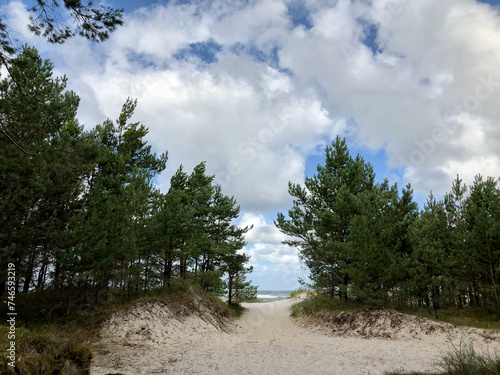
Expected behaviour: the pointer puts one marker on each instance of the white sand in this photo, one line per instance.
(264, 341)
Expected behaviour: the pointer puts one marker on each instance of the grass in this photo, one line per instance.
(237, 309)
(45, 350)
(60, 344)
(463, 360)
(319, 303)
(477, 317)
(298, 292)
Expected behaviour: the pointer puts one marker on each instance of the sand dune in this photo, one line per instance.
(150, 340)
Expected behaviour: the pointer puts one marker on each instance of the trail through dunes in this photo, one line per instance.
(267, 341)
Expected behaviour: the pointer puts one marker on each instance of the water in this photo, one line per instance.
(272, 295)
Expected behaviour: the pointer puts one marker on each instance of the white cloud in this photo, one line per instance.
(274, 267)
(429, 96)
(160, 31)
(18, 19)
(270, 258)
(281, 254)
(436, 56)
(262, 231)
(281, 276)
(245, 124)
(261, 23)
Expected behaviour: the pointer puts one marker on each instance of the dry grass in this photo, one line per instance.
(318, 303)
(45, 350)
(464, 360)
(60, 345)
(476, 317)
(300, 291)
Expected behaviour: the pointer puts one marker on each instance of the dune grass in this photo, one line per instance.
(46, 349)
(477, 317)
(463, 360)
(60, 342)
(298, 292)
(318, 303)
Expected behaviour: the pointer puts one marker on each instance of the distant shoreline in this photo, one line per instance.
(272, 295)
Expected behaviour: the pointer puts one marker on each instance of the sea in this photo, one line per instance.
(272, 295)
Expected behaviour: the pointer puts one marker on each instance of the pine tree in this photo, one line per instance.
(464, 267)
(198, 244)
(321, 216)
(173, 224)
(195, 231)
(482, 213)
(44, 154)
(46, 19)
(119, 189)
(380, 242)
(431, 268)
(234, 265)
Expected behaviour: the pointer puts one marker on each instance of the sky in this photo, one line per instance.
(257, 89)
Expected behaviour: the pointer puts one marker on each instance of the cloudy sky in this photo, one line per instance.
(258, 88)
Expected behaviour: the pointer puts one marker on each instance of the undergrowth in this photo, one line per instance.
(478, 317)
(237, 309)
(318, 303)
(45, 350)
(55, 339)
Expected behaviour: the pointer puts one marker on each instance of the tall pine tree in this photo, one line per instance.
(321, 216)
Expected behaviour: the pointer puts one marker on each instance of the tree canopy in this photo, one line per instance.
(58, 22)
(80, 216)
(366, 241)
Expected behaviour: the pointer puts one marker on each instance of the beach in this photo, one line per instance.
(265, 340)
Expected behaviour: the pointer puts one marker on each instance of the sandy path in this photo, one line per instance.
(266, 341)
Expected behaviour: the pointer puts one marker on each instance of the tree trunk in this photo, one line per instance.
(167, 269)
(345, 281)
(57, 273)
(146, 274)
(182, 268)
(29, 272)
(492, 276)
(230, 287)
(41, 275)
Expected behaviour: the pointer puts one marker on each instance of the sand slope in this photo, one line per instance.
(266, 340)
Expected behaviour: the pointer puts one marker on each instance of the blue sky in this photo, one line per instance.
(258, 88)
(494, 3)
